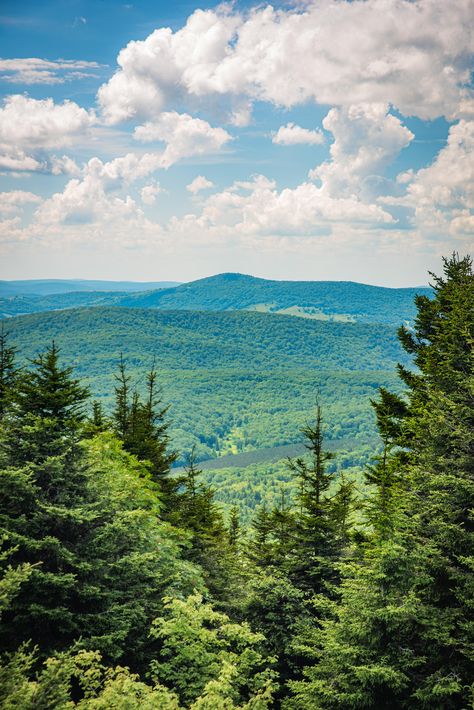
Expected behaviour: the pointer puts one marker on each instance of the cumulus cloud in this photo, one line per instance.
(18, 161)
(199, 183)
(64, 166)
(32, 70)
(256, 207)
(148, 193)
(97, 196)
(291, 134)
(28, 127)
(32, 123)
(184, 136)
(367, 138)
(441, 195)
(13, 201)
(415, 56)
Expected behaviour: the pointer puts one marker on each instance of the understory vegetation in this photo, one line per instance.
(349, 584)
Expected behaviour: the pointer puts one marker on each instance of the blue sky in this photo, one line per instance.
(303, 140)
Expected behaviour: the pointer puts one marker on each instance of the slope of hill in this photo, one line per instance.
(341, 301)
(236, 381)
(46, 287)
(324, 300)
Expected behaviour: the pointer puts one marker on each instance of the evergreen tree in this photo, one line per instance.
(234, 531)
(402, 636)
(8, 372)
(192, 507)
(142, 425)
(85, 518)
(316, 545)
(261, 545)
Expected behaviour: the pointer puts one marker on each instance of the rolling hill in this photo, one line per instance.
(338, 301)
(46, 287)
(237, 381)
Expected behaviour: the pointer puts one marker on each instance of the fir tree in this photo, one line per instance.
(142, 425)
(8, 372)
(316, 547)
(402, 636)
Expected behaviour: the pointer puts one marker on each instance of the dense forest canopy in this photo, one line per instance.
(124, 586)
(339, 301)
(236, 381)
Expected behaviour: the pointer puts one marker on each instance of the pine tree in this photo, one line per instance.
(42, 497)
(142, 425)
(234, 531)
(83, 516)
(402, 636)
(315, 541)
(386, 474)
(261, 545)
(8, 372)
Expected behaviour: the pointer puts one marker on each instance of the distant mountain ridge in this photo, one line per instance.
(47, 287)
(344, 301)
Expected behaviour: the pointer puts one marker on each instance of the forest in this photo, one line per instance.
(322, 300)
(236, 381)
(128, 582)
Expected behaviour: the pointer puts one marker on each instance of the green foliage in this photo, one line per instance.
(84, 519)
(325, 300)
(141, 425)
(201, 645)
(237, 381)
(8, 372)
(191, 506)
(350, 590)
(401, 635)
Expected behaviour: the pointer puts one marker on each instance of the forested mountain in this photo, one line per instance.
(46, 287)
(122, 584)
(236, 381)
(333, 300)
(339, 301)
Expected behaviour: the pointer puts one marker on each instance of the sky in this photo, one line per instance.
(315, 140)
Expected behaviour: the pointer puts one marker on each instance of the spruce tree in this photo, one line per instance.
(316, 548)
(402, 636)
(141, 424)
(8, 372)
(83, 516)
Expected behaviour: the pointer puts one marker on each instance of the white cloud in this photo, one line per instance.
(442, 195)
(13, 201)
(28, 127)
(98, 196)
(64, 166)
(257, 208)
(366, 139)
(184, 136)
(199, 183)
(292, 134)
(415, 56)
(32, 123)
(32, 70)
(148, 193)
(19, 161)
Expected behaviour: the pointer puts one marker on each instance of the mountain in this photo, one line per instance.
(237, 381)
(46, 287)
(341, 301)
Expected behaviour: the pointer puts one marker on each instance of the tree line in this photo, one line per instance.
(123, 585)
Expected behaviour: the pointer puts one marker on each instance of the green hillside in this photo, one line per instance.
(46, 287)
(323, 299)
(236, 381)
(338, 301)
